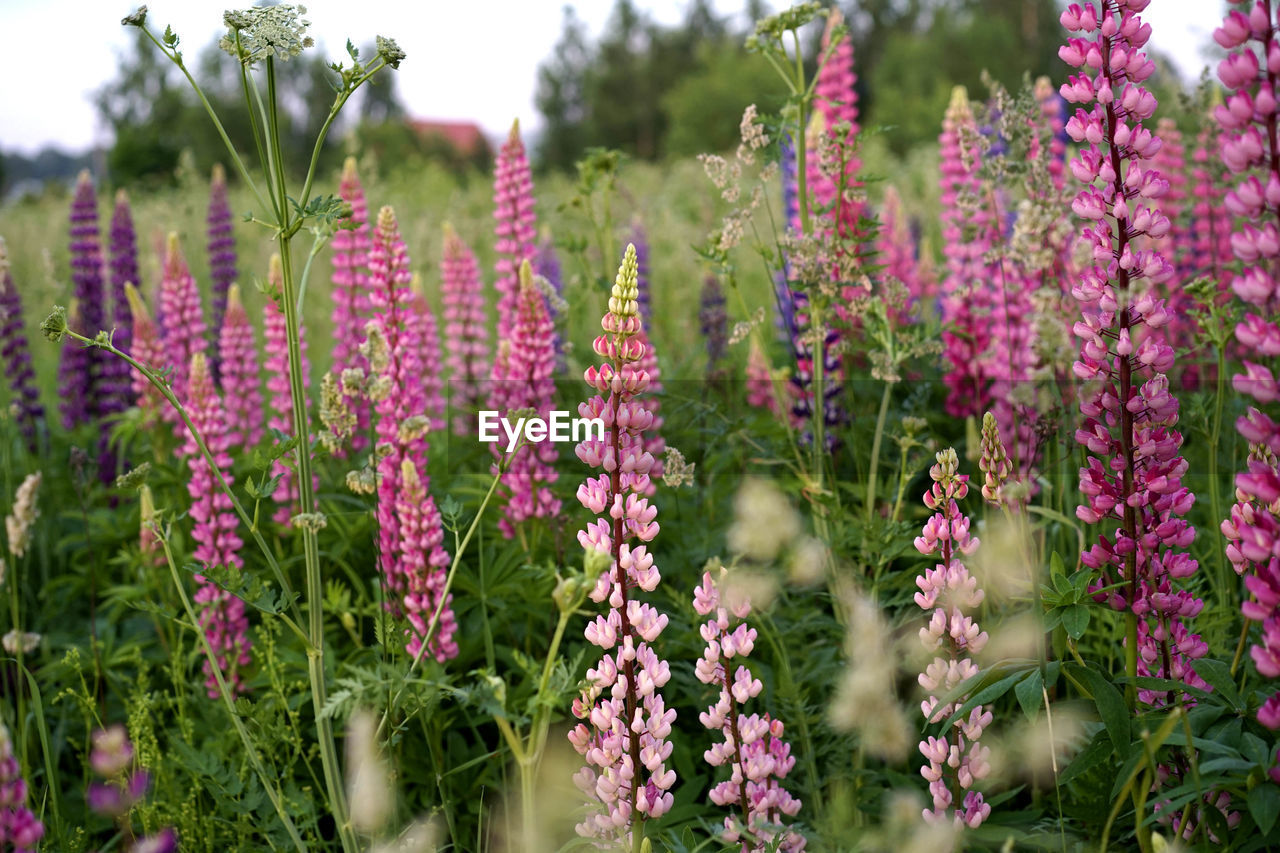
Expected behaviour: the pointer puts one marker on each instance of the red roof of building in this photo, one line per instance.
(465, 136)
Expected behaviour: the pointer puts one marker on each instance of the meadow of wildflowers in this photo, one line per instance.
(914, 521)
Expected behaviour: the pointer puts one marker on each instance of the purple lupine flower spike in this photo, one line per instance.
(640, 240)
(753, 748)
(73, 370)
(547, 266)
(713, 322)
(80, 373)
(222, 251)
(625, 727)
(16, 356)
(123, 254)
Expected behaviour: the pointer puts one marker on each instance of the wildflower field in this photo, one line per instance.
(920, 504)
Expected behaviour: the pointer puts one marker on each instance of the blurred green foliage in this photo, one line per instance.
(654, 91)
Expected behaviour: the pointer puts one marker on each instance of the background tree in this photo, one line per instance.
(154, 116)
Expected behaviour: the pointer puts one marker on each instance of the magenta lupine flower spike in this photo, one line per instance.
(280, 401)
(1211, 224)
(182, 333)
(123, 254)
(836, 101)
(968, 234)
(515, 225)
(426, 336)
(241, 382)
(528, 384)
(350, 301)
(148, 350)
(410, 553)
(652, 441)
(757, 756)
(80, 375)
(626, 724)
(465, 331)
(897, 252)
(120, 786)
(1051, 113)
(1250, 151)
(16, 355)
(760, 394)
(956, 761)
(425, 565)
(222, 251)
(217, 544)
(1134, 471)
(1176, 246)
(20, 831)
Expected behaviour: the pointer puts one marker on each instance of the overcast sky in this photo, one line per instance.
(466, 59)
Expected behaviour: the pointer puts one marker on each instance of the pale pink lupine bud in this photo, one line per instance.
(951, 766)
(624, 758)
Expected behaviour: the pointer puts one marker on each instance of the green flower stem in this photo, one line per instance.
(870, 508)
(208, 108)
(306, 493)
(256, 760)
(163, 387)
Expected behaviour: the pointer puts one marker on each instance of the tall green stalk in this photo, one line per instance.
(288, 216)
